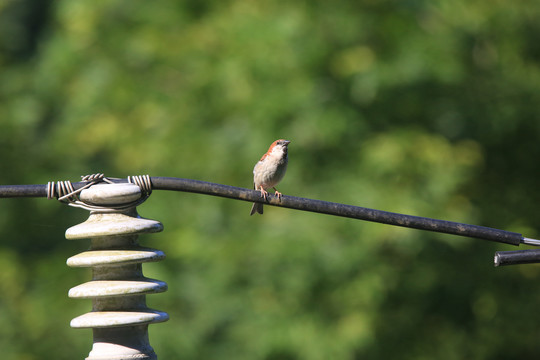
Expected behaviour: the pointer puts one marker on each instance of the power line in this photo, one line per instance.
(292, 202)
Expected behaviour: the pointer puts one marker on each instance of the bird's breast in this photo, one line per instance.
(269, 172)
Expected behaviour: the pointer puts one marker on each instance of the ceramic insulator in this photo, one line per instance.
(119, 316)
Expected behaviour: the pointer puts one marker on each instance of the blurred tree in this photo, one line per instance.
(421, 107)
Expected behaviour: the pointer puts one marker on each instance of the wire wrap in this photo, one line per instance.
(66, 193)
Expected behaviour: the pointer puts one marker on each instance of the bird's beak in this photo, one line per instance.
(287, 142)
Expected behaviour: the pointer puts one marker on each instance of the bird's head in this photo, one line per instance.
(279, 146)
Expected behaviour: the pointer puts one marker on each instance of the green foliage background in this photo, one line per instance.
(422, 107)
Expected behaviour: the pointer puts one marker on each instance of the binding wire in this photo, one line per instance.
(65, 193)
(142, 181)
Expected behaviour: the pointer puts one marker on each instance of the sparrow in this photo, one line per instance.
(269, 171)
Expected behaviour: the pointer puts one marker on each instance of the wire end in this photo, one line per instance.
(529, 241)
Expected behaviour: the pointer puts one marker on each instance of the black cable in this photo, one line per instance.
(330, 208)
(9, 191)
(292, 202)
(503, 258)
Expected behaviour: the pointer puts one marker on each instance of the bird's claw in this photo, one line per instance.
(264, 194)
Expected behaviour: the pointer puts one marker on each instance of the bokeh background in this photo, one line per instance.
(428, 108)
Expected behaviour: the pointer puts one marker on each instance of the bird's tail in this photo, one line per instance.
(257, 207)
